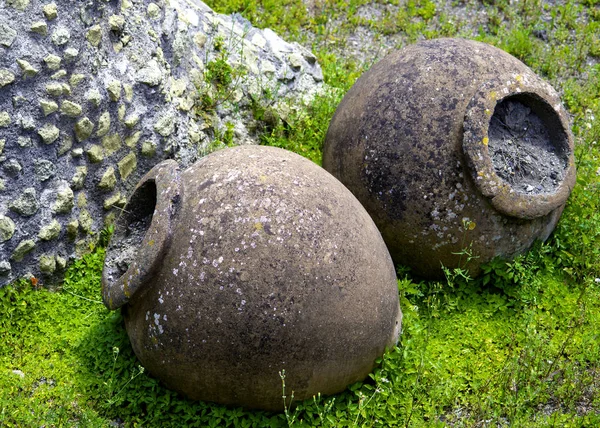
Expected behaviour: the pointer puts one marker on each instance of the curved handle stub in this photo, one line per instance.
(142, 234)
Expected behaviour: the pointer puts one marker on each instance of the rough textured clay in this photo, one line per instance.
(93, 94)
(252, 261)
(453, 145)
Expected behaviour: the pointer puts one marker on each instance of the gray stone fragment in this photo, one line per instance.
(24, 142)
(148, 149)
(7, 228)
(7, 35)
(27, 204)
(71, 54)
(116, 22)
(65, 146)
(103, 124)
(48, 106)
(55, 89)
(150, 75)
(6, 77)
(18, 4)
(52, 61)
(64, 200)
(44, 169)
(4, 268)
(94, 97)
(61, 263)
(83, 129)
(71, 109)
(165, 125)
(50, 231)
(72, 228)
(28, 124)
(153, 10)
(61, 36)
(79, 178)
(12, 167)
(108, 180)
(50, 11)
(60, 74)
(94, 35)
(39, 27)
(4, 119)
(47, 263)
(49, 133)
(22, 249)
(114, 90)
(95, 153)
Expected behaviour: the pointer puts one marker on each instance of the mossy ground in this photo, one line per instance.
(519, 346)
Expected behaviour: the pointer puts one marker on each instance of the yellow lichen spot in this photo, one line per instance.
(519, 78)
(488, 111)
(493, 95)
(485, 141)
(263, 178)
(258, 226)
(151, 242)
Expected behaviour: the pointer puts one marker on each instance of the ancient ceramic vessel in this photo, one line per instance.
(252, 261)
(453, 145)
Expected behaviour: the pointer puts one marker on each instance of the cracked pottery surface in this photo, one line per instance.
(252, 261)
(93, 94)
(411, 140)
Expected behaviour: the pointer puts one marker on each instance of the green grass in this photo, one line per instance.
(519, 346)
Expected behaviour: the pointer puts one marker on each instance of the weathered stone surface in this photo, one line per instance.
(83, 129)
(7, 228)
(279, 244)
(49, 133)
(70, 109)
(50, 231)
(50, 11)
(22, 249)
(64, 199)
(48, 106)
(44, 169)
(39, 27)
(127, 165)
(7, 35)
(413, 141)
(5, 119)
(12, 168)
(108, 180)
(93, 79)
(27, 204)
(47, 263)
(6, 77)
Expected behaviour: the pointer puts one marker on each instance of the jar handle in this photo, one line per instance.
(142, 234)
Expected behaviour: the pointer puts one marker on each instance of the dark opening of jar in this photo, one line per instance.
(129, 232)
(527, 144)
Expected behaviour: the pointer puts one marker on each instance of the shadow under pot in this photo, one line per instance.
(252, 262)
(458, 151)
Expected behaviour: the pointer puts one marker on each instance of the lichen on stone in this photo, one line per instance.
(50, 231)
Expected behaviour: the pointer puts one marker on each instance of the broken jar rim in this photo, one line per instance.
(479, 112)
(117, 291)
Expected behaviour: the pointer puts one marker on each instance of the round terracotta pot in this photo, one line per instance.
(252, 261)
(453, 146)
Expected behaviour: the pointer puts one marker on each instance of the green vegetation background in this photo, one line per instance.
(519, 346)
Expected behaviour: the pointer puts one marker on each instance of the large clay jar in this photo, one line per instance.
(252, 262)
(453, 146)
